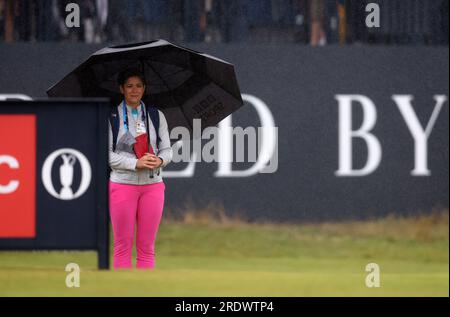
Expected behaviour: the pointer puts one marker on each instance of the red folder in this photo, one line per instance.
(142, 146)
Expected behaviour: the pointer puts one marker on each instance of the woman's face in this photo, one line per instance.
(133, 90)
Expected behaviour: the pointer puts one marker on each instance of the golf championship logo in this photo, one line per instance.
(67, 159)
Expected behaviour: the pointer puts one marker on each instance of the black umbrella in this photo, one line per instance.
(182, 83)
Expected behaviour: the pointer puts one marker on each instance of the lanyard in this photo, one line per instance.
(125, 115)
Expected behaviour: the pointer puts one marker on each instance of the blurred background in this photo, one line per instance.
(295, 56)
(314, 22)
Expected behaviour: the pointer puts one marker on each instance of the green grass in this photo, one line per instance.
(232, 258)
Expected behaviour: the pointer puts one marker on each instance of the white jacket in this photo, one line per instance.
(123, 164)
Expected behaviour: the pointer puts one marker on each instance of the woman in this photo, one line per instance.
(136, 188)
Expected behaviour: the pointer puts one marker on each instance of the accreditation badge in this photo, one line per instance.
(140, 128)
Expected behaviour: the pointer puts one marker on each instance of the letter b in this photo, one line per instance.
(346, 135)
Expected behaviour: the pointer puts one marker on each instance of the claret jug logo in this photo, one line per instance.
(67, 158)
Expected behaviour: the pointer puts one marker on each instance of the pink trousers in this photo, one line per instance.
(137, 207)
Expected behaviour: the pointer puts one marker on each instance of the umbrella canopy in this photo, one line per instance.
(182, 83)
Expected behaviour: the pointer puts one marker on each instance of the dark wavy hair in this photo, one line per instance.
(127, 73)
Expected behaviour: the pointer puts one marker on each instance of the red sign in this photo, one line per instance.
(17, 176)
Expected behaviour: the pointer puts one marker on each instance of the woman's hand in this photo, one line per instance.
(149, 161)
